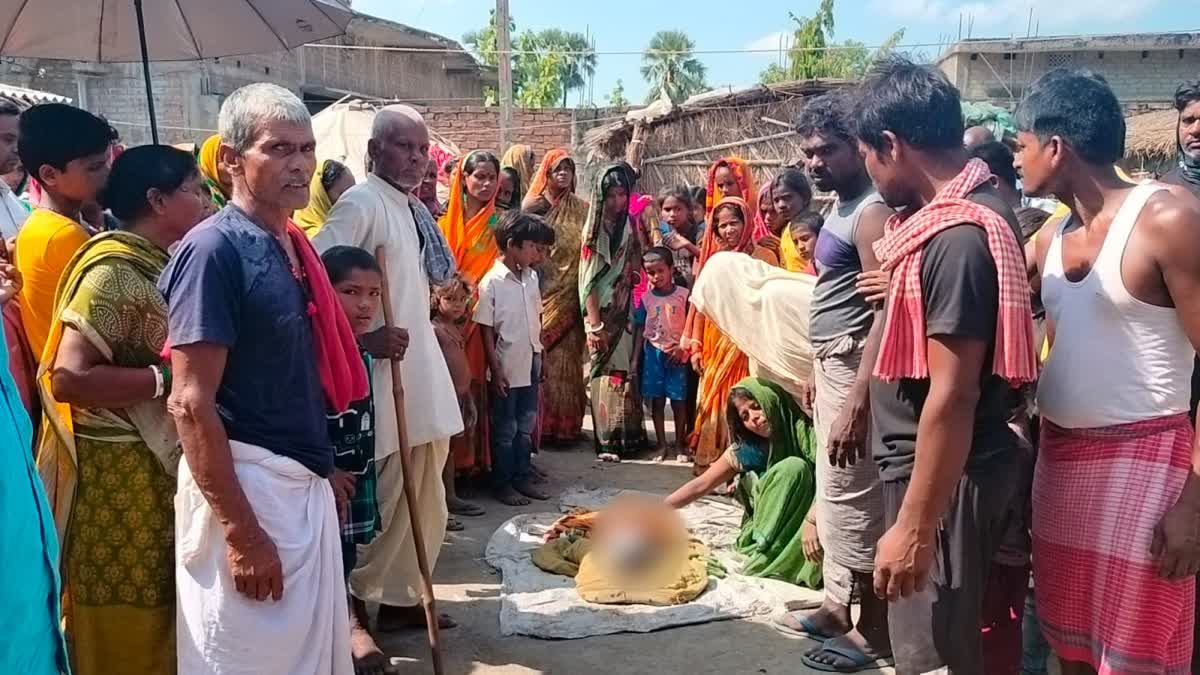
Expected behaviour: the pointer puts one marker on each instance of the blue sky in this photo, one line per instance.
(627, 25)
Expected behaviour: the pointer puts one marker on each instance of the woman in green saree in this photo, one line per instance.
(108, 449)
(609, 261)
(772, 451)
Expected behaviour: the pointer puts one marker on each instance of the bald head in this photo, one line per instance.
(399, 146)
(974, 136)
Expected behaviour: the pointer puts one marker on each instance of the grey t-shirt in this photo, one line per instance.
(837, 308)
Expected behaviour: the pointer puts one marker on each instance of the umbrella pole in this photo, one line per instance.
(431, 615)
(137, 6)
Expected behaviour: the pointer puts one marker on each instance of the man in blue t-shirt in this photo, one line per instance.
(255, 515)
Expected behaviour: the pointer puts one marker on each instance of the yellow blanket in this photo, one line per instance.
(569, 556)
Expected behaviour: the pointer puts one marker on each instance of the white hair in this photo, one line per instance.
(390, 114)
(247, 108)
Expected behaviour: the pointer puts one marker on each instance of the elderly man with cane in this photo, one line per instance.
(384, 212)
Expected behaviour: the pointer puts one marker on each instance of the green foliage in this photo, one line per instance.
(616, 98)
(668, 65)
(550, 64)
(813, 54)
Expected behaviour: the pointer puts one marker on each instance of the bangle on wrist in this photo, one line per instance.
(159, 383)
(592, 330)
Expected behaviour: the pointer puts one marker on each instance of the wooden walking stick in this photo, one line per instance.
(431, 615)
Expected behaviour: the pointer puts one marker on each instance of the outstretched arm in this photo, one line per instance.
(717, 474)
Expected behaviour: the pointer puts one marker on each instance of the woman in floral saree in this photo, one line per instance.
(564, 398)
(107, 452)
(610, 259)
(468, 225)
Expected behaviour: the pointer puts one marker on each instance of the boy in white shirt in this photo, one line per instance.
(509, 313)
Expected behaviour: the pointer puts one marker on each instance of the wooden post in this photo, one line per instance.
(431, 615)
(504, 47)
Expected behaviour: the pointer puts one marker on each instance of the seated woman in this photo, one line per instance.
(772, 452)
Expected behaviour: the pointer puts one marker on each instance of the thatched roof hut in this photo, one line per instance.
(682, 141)
(1151, 141)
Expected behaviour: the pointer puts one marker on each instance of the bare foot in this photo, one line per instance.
(511, 497)
(530, 490)
(369, 659)
(461, 507)
(537, 475)
(452, 525)
(392, 618)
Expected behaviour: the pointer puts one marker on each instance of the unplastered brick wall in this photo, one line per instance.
(478, 127)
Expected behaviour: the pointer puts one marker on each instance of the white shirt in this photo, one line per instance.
(512, 306)
(372, 214)
(12, 212)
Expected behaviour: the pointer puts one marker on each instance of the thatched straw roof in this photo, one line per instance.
(1152, 136)
(682, 140)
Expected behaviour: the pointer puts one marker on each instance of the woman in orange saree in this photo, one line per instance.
(719, 362)
(563, 394)
(468, 224)
(730, 177)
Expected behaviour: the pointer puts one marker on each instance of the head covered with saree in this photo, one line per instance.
(718, 189)
(470, 238)
(609, 255)
(320, 201)
(520, 158)
(712, 241)
(540, 184)
(765, 198)
(791, 431)
(211, 170)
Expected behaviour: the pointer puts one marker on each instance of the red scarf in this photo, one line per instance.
(339, 363)
(902, 352)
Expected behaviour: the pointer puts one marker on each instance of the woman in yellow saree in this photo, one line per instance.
(215, 176)
(564, 397)
(520, 158)
(329, 181)
(468, 225)
(719, 362)
(107, 453)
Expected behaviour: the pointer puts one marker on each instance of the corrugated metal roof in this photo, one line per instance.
(30, 96)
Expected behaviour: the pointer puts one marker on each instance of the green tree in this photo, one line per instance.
(579, 59)
(668, 65)
(813, 53)
(546, 67)
(616, 98)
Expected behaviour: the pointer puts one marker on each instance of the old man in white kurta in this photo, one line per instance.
(381, 211)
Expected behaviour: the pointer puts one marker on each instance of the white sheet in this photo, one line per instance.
(539, 604)
(221, 631)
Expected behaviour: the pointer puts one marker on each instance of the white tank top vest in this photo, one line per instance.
(1116, 359)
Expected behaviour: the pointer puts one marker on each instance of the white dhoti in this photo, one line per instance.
(387, 570)
(850, 516)
(221, 631)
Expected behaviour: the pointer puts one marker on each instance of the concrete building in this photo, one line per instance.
(1143, 69)
(188, 95)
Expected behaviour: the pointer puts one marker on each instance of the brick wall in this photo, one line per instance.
(1136, 79)
(478, 127)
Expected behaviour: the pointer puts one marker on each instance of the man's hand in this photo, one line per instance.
(343, 490)
(903, 559)
(1176, 542)
(255, 566)
(848, 434)
(873, 285)
(499, 385)
(770, 241)
(386, 343)
(811, 542)
(10, 283)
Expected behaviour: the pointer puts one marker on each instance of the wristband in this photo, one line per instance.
(159, 384)
(166, 374)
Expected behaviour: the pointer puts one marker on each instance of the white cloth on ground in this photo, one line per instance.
(368, 215)
(850, 517)
(763, 309)
(219, 630)
(387, 569)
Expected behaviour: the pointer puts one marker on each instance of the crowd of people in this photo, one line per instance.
(958, 397)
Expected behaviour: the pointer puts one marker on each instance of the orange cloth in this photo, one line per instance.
(541, 179)
(473, 244)
(45, 245)
(745, 181)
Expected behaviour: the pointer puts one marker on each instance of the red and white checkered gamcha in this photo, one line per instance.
(1097, 496)
(902, 352)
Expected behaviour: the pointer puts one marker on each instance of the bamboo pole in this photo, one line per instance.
(427, 599)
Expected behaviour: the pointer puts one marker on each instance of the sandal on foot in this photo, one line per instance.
(808, 629)
(851, 658)
(466, 509)
(452, 525)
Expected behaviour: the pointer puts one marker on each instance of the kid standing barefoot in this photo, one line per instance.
(663, 363)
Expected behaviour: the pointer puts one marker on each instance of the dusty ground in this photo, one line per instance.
(468, 589)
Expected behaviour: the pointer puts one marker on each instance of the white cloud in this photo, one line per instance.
(1011, 16)
(771, 41)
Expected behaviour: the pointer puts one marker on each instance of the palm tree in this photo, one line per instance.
(579, 62)
(669, 66)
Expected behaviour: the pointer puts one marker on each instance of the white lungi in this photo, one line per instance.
(222, 632)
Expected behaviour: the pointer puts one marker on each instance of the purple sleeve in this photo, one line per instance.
(203, 288)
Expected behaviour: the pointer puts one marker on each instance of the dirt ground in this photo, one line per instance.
(468, 589)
